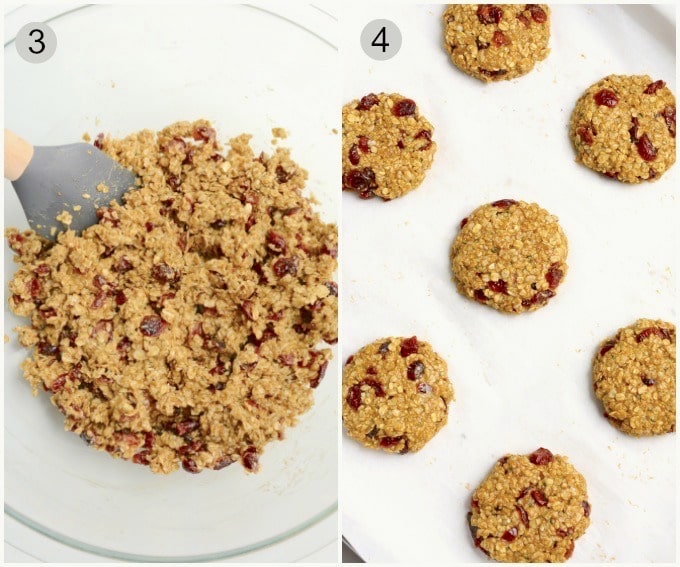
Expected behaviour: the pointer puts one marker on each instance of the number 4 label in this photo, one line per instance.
(381, 39)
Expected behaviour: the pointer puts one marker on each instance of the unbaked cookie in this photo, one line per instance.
(634, 378)
(387, 146)
(624, 127)
(496, 42)
(510, 255)
(530, 509)
(396, 394)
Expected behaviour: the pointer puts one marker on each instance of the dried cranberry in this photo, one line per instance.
(401, 145)
(181, 428)
(554, 275)
(332, 288)
(489, 14)
(123, 265)
(523, 492)
(219, 223)
(354, 155)
(646, 149)
(391, 441)
(42, 270)
(34, 288)
(189, 157)
(47, 349)
(314, 382)
(537, 13)
(503, 203)
(586, 134)
(415, 370)
(58, 383)
(377, 386)
(427, 136)
(98, 300)
(250, 458)
(99, 141)
(222, 463)
(474, 504)
(409, 346)
(120, 298)
(204, 133)
(539, 498)
(649, 331)
(360, 180)
(570, 551)
(653, 87)
(285, 266)
(606, 97)
(500, 286)
(350, 358)
(669, 117)
(540, 298)
(586, 508)
(173, 181)
(367, 102)
(384, 348)
(372, 371)
(522, 514)
(190, 465)
(510, 534)
(522, 18)
(48, 312)
(141, 458)
(424, 388)
(492, 73)
(276, 243)
(479, 295)
(152, 326)
(164, 273)
(354, 397)
(404, 107)
(561, 533)
(648, 381)
(634, 129)
(541, 456)
(499, 39)
(463, 222)
(606, 347)
(363, 144)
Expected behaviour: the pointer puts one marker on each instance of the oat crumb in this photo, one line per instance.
(65, 217)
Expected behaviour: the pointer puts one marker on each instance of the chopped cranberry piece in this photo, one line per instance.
(204, 133)
(384, 348)
(474, 504)
(350, 358)
(400, 144)
(152, 326)
(493, 73)
(606, 347)
(479, 295)
(34, 288)
(173, 181)
(415, 370)
(649, 331)
(354, 155)
(250, 458)
(276, 243)
(47, 349)
(141, 458)
(562, 533)
(391, 441)
(489, 14)
(570, 551)
(360, 180)
(540, 298)
(539, 498)
(646, 149)
(164, 273)
(499, 39)
(285, 266)
(409, 346)
(58, 383)
(669, 117)
(99, 299)
(586, 134)
(523, 493)
(499, 286)
(503, 203)
(586, 508)
(522, 514)
(99, 141)
(189, 157)
(222, 463)
(332, 288)
(282, 176)
(371, 370)
(463, 222)
(522, 18)
(648, 381)
(377, 386)
(123, 265)
(424, 388)
(354, 397)
(541, 456)
(606, 97)
(42, 270)
(48, 312)
(190, 465)
(181, 428)
(367, 102)
(219, 223)
(634, 130)
(510, 535)
(537, 13)
(554, 275)
(653, 87)
(363, 144)
(404, 107)
(314, 382)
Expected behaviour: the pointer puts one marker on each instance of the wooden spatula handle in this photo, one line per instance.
(18, 154)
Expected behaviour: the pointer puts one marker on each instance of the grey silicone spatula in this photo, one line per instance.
(52, 179)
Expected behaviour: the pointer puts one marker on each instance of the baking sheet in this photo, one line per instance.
(520, 381)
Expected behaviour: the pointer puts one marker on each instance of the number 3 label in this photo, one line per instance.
(36, 42)
(381, 39)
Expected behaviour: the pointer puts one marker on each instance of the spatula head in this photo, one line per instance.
(76, 179)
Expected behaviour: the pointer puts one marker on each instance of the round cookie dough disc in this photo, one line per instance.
(387, 146)
(396, 394)
(634, 378)
(624, 127)
(510, 255)
(530, 509)
(496, 42)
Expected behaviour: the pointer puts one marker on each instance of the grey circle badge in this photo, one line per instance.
(36, 42)
(381, 39)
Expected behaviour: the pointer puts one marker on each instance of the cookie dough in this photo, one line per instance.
(387, 146)
(510, 255)
(496, 42)
(624, 127)
(182, 328)
(530, 509)
(396, 393)
(634, 378)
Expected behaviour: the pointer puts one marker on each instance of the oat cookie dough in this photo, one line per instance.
(396, 394)
(624, 127)
(387, 146)
(509, 255)
(496, 42)
(634, 378)
(530, 509)
(182, 329)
